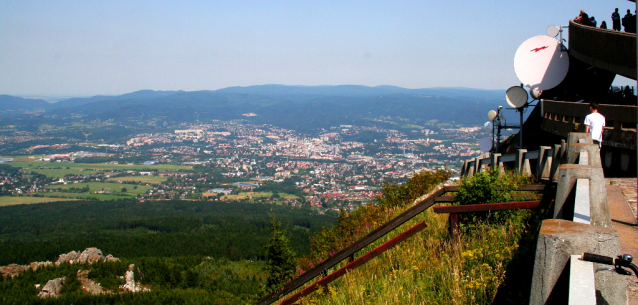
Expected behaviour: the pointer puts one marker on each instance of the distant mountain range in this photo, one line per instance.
(304, 108)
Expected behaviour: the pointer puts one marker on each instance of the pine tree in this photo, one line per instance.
(281, 259)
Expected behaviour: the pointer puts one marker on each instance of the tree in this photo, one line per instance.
(124, 190)
(281, 259)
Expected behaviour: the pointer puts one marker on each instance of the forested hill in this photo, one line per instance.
(305, 109)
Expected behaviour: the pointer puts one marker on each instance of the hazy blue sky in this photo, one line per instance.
(113, 47)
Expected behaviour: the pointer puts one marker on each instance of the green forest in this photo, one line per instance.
(184, 251)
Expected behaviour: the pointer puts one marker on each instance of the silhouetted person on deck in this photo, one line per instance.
(583, 18)
(603, 25)
(593, 21)
(629, 22)
(615, 18)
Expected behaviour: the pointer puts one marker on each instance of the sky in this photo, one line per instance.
(85, 48)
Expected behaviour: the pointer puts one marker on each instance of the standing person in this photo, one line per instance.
(626, 21)
(583, 18)
(615, 18)
(595, 123)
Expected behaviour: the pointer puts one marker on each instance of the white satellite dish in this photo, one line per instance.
(552, 31)
(485, 144)
(516, 96)
(540, 63)
(487, 126)
(535, 93)
(492, 115)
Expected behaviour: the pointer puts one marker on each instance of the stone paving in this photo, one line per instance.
(628, 233)
(628, 187)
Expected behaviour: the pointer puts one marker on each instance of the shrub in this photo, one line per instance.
(489, 187)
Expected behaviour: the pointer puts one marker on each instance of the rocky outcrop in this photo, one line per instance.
(89, 255)
(12, 270)
(52, 288)
(130, 280)
(130, 285)
(88, 285)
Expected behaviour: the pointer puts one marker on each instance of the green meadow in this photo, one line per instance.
(140, 179)
(61, 169)
(257, 195)
(14, 200)
(113, 188)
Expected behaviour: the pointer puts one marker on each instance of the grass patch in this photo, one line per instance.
(13, 200)
(60, 169)
(258, 195)
(114, 188)
(140, 179)
(490, 263)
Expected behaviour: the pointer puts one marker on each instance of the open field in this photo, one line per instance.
(101, 167)
(61, 169)
(68, 195)
(10, 200)
(256, 195)
(142, 179)
(98, 186)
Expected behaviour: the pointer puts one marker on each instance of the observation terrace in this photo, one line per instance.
(596, 57)
(611, 50)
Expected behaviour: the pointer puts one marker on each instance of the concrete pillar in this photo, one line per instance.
(485, 167)
(557, 241)
(624, 162)
(557, 158)
(565, 193)
(520, 160)
(544, 164)
(464, 168)
(477, 165)
(593, 153)
(608, 157)
(470, 168)
(496, 162)
(574, 137)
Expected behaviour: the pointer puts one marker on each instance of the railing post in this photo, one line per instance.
(557, 240)
(470, 168)
(520, 160)
(477, 165)
(454, 226)
(496, 164)
(557, 156)
(592, 150)
(599, 208)
(464, 168)
(544, 164)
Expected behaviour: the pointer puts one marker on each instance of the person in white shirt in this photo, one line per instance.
(595, 124)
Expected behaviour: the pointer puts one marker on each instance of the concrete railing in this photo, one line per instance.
(582, 221)
(619, 136)
(542, 163)
(582, 283)
(607, 49)
(582, 210)
(561, 118)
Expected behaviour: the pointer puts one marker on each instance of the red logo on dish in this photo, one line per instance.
(538, 49)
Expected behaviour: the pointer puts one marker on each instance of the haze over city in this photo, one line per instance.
(78, 48)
